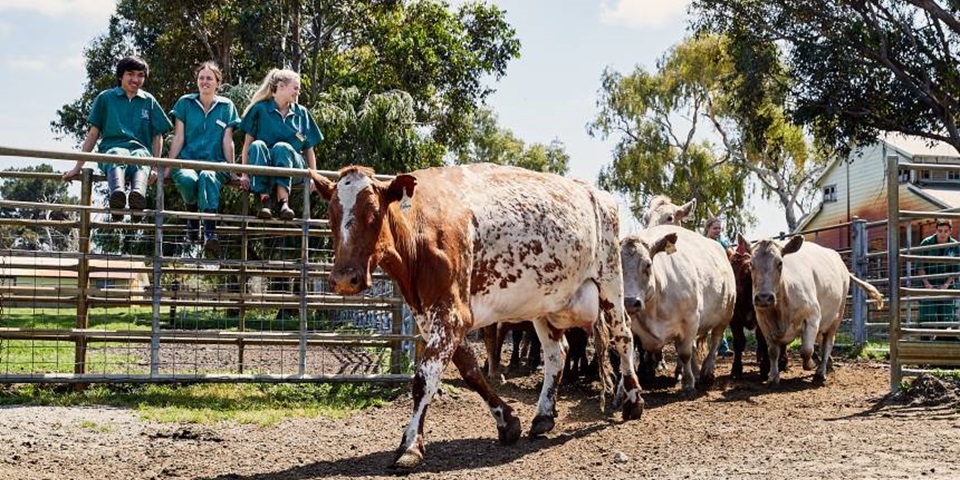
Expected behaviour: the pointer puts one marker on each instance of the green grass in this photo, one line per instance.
(260, 404)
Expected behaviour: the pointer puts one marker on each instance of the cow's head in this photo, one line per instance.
(662, 211)
(766, 267)
(636, 258)
(359, 205)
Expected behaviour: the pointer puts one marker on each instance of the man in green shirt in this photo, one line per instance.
(939, 310)
(127, 121)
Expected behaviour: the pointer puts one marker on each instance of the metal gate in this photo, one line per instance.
(85, 298)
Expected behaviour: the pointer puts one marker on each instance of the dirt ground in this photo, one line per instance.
(740, 429)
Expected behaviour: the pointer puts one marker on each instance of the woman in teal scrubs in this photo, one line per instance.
(127, 121)
(279, 132)
(203, 130)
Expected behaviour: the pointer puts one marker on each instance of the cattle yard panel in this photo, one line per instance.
(137, 301)
(916, 344)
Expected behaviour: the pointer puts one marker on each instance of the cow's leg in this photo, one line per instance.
(628, 388)
(493, 345)
(773, 353)
(508, 426)
(446, 333)
(554, 354)
(739, 345)
(763, 359)
(686, 361)
(707, 372)
(515, 351)
(826, 349)
(809, 339)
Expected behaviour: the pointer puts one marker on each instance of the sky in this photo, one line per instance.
(548, 93)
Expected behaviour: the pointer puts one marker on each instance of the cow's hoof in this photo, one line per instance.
(737, 371)
(819, 378)
(408, 460)
(809, 364)
(706, 381)
(541, 425)
(509, 434)
(689, 392)
(633, 410)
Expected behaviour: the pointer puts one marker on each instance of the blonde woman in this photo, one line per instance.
(279, 132)
(203, 130)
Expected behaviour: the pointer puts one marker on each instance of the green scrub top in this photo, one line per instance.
(127, 123)
(263, 122)
(950, 249)
(203, 131)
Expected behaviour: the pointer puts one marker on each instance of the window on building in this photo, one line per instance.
(903, 175)
(953, 175)
(830, 193)
(925, 174)
(105, 283)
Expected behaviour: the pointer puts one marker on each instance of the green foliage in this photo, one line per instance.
(486, 141)
(662, 121)
(263, 404)
(36, 190)
(857, 68)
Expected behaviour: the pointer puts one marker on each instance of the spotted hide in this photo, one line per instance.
(679, 287)
(799, 289)
(473, 245)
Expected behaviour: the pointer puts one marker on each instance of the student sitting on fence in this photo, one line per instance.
(203, 130)
(127, 121)
(279, 132)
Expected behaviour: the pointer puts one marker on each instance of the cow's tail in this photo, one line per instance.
(872, 291)
(601, 343)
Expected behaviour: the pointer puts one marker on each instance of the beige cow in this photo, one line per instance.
(799, 289)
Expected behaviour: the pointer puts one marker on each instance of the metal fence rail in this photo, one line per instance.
(136, 301)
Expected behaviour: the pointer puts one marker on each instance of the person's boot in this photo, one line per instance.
(286, 213)
(137, 198)
(118, 196)
(193, 226)
(211, 244)
(266, 207)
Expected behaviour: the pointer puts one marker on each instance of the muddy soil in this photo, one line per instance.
(740, 429)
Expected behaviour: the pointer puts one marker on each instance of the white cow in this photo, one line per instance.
(662, 211)
(678, 297)
(799, 289)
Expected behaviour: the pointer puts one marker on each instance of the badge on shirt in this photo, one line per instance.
(221, 124)
(145, 114)
(301, 137)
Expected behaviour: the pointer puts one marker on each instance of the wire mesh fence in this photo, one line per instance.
(93, 294)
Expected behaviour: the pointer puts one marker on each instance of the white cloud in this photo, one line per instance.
(6, 29)
(93, 9)
(642, 13)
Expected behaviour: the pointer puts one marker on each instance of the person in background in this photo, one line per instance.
(203, 130)
(712, 230)
(279, 132)
(127, 121)
(939, 310)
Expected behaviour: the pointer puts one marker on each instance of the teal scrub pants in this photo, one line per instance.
(200, 188)
(281, 154)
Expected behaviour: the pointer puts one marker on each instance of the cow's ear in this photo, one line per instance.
(793, 245)
(688, 208)
(324, 186)
(743, 246)
(665, 244)
(401, 186)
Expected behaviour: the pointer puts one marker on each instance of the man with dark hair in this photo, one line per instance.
(127, 121)
(939, 310)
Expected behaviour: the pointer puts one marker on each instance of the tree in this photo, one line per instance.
(486, 141)
(36, 190)
(436, 55)
(663, 147)
(858, 67)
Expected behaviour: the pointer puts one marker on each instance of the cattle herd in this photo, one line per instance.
(479, 246)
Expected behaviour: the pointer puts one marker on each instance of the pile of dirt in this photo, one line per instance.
(929, 390)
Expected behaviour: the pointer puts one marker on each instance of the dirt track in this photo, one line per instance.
(739, 429)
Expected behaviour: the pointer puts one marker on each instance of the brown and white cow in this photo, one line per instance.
(662, 211)
(473, 245)
(678, 297)
(799, 289)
